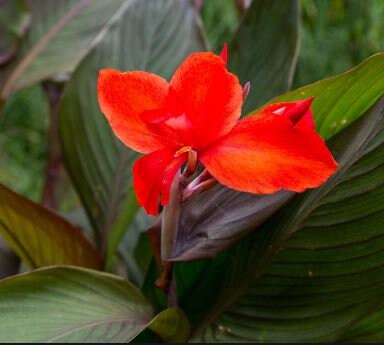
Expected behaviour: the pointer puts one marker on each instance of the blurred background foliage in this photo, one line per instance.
(335, 36)
(23, 130)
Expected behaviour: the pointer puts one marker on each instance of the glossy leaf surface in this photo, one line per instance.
(67, 304)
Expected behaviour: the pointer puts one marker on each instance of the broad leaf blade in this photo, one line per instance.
(313, 271)
(216, 219)
(40, 237)
(62, 33)
(150, 35)
(67, 304)
(265, 48)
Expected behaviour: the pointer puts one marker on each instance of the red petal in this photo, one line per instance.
(211, 98)
(153, 175)
(299, 112)
(173, 109)
(266, 153)
(123, 97)
(307, 120)
(168, 176)
(224, 53)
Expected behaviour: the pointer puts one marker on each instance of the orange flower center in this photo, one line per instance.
(184, 149)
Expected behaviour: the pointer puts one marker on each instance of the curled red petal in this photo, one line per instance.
(224, 53)
(307, 120)
(210, 96)
(152, 178)
(265, 154)
(298, 112)
(123, 97)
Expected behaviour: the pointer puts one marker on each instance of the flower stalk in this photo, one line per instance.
(169, 229)
(170, 220)
(201, 183)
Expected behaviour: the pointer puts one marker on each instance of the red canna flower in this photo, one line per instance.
(198, 112)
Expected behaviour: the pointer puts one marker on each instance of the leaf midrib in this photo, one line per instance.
(141, 323)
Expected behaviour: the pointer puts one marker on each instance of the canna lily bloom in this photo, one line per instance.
(198, 111)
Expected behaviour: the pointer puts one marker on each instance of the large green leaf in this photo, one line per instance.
(265, 48)
(150, 35)
(62, 32)
(67, 304)
(40, 237)
(216, 219)
(315, 269)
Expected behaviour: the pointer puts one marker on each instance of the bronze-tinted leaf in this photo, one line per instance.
(40, 237)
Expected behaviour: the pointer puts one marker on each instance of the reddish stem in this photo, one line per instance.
(164, 282)
(154, 235)
(54, 163)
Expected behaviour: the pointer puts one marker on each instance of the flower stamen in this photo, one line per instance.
(190, 168)
(246, 89)
(184, 149)
(201, 183)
